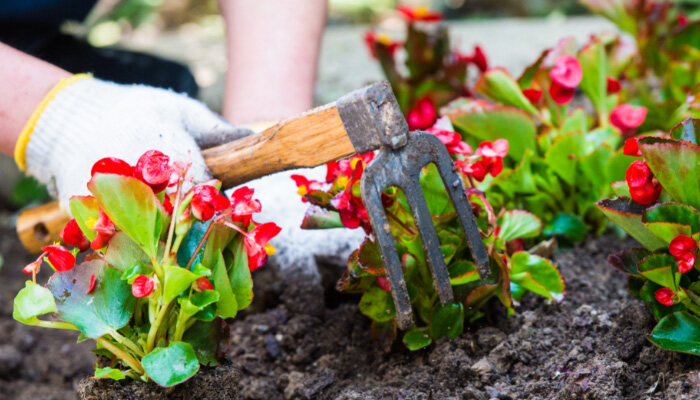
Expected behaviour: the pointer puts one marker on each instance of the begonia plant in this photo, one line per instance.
(433, 74)
(336, 202)
(658, 206)
(564, 151)
(149, 269)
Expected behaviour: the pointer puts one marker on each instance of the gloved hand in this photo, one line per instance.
(83, 120)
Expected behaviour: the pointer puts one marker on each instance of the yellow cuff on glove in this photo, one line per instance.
(23, 140)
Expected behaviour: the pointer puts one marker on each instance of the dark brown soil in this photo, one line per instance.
(303, 341)
(215, 383)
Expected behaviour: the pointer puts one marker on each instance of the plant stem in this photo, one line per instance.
(199, 246)
(173, 220)
(55, 325)
(126, 342)
(129, 360)
(398, 221)
(154, 327)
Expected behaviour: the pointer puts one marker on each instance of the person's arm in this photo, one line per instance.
(24, 82)
(273, 51)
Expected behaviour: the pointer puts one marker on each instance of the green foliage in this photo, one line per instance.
(154, 293)
(666, 274)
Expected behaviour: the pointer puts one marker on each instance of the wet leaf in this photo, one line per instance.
(447, 321)
(378, 305)
(417, 338)
(679, 331)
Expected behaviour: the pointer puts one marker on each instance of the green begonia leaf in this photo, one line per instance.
(169, 366)
(417, 338)
(378, 305)
(447, 321)
(679, 331)
(31, 302)
(516, 224)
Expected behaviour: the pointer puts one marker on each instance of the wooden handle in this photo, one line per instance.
(41, 226)
(311, 139)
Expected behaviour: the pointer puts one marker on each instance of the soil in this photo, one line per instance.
(291, 345)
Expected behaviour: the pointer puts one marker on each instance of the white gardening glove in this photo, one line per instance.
(90, 119)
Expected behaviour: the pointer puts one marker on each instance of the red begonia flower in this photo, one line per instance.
(168, 203)
(257, 246)
(61, 259)
(112, 165)
(646, 194)
(474, 169)
(202, 284)
(243, 205)
(419, 14)
(613, 85)
(478, 58)
(686, 262)
(560, 94)
(142, 286)
(566, 72)
(499, 149)
(631, 147)
(682, 244)
(93, 278)
(350, 207)
(336, 169)
(383, 283)
(532, 94)
(626, 117)
(664, 296)
(638, 174)
(682, 20)
(422, 115)
(153, 169)
(305, 185)
(206, 201)
(644, 188)
(73, 236)
(105, 230)
(372, 39)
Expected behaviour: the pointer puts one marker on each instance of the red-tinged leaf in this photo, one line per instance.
(628, 215)
(675, 165)
(85, 210)
(627, 260)
(499, 86)
(319, 218)
(688, 130)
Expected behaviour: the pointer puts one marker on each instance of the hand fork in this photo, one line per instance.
(362, 121)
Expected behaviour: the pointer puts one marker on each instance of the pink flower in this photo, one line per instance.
(451, 140)
(422, 115)
(626, 117)
(566, 72)
(664, 296)
(152, 168)
(73, 236)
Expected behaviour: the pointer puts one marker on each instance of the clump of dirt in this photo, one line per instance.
(591, 346)
(303, 340)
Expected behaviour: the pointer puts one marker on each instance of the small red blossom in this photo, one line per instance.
(474, 169)
(336, 169)
(105, 229)
(383, 283)
(206, 201)
(257, 246)
(142, 286)
(613, 85)
(73, 236)
(631, 147)
(372, 40)
(33, 267)
(243, 205)
(92, 284)
(644, 188)
(478, 58)
(112, 165)
(168, 203)
(202, 284)
(305, 185)
(686, 262)
(153, 169)
(626, 117)
(532, 94)
(664, 296)
(59, 257)
(350, 207)
(423, 115)
(566, 72)
(419, 14)
(682, 20)
(560, 94)
(682, 244)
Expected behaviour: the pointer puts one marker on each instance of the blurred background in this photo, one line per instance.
(191, 32)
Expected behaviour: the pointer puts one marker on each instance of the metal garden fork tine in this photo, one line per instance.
(401, 168)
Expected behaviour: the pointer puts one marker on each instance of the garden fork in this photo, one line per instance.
(362, 121)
